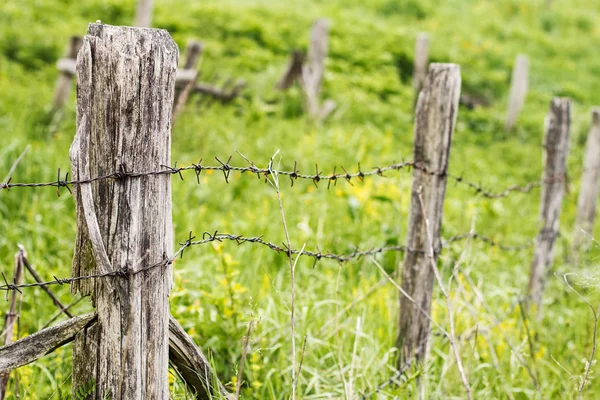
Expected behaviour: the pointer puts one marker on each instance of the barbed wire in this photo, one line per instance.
(226, 168)
(208, 237)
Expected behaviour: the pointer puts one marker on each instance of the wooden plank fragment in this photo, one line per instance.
(435, 119)
(37, 345)
(191, 363)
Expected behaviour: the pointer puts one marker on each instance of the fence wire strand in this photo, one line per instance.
(208, 237)
(226, 168)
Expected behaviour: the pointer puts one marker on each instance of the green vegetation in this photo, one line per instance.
(219, 288)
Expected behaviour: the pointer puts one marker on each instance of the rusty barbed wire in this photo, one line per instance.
(208, 237)
(226, 168)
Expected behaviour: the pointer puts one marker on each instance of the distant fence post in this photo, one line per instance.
(518, 90)
(126, 78)
(312, 74)
(588, 192)
(435, 119)
(556, 150)
(193, 52)
(143, 14)
(65, 79)
(420, 64)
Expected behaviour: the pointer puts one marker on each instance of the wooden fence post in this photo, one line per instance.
(193, 52)
(588, 192)
(556, 150)
(312, 74)
(126, 79)
(518, 90)
(65, 79)
(436, 112)
(143, 14)
(420, 64)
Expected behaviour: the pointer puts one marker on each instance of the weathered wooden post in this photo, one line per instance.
(143, 14)
(420, 64)
(193, 52)
(312, 74)
(588, 192)
(556, 150)
(518, 90)
(65, 79)
(436, 112)
(125, 85)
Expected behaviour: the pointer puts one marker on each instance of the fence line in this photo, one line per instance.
(318, 255)
(294, 175)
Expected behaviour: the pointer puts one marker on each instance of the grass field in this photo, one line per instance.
(220, 287)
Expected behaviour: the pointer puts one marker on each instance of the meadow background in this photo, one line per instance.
(219, 288)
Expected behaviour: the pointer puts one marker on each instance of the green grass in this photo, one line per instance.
(220, 288)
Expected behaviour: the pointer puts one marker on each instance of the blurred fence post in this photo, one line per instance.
(312, 74)
(518, 90)
(588, 192)
(143, 14)
(420, 64)
(65, 79)
(193, 52)
(124, 124)
(435, 119)
(556, 150)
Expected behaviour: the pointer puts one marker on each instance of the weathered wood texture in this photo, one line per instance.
(588, 192)
(68, 66)
(37, 345)
(556, 150)
(193, 366)
(436, 112)
(420, 64)
(312, 73)
(143, 14)
(126, 79)
(12, 315)
(518, 90)
(65, 79)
